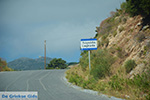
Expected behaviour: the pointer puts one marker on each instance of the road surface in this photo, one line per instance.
(49, 84)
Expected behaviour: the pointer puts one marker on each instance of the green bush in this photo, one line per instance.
(102, 86)
(129, 65)
(142, 82)
(147, 47)
(101, 62)
(123, 6)
(100, 70)
(114, 33)
(104, 41)
(119, 49)
(117, 14)
(104, 37)
(140, 37)
(124, 20)
(3, 66)
(84, 61)
(116, 83)
(76, 79)
(89, 84)
(120, 52)
(121, 29)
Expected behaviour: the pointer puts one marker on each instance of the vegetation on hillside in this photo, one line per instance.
(3, 66)
(57, 64)
(121, 64)
(137, 7)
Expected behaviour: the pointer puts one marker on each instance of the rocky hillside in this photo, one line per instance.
(121, 64)
(127, 38)
(28, 63)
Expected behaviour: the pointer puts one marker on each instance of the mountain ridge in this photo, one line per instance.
(25, 63)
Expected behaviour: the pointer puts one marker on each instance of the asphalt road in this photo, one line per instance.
(49, 84)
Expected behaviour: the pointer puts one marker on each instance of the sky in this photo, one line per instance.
(25, 24)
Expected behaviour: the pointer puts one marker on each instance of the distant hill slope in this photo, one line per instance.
(28, 63)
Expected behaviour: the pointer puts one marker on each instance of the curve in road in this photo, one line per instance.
(49, 84)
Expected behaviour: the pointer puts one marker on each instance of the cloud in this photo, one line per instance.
(63, 40)
(25, 24)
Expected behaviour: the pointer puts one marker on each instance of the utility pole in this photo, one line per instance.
(45, 54)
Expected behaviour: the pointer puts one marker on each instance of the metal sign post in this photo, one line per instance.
(89, 44)
(89, 61)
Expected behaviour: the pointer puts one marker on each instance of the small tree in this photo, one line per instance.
(57, 63)
(129, 65)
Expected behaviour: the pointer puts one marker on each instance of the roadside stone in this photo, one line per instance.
(138, 24)
(126, 96)
(145, 27)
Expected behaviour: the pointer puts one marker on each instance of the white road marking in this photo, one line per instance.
(30, 79)
(12, 83)
(41, 81)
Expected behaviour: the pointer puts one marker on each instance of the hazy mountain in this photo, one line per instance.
(28, 63)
